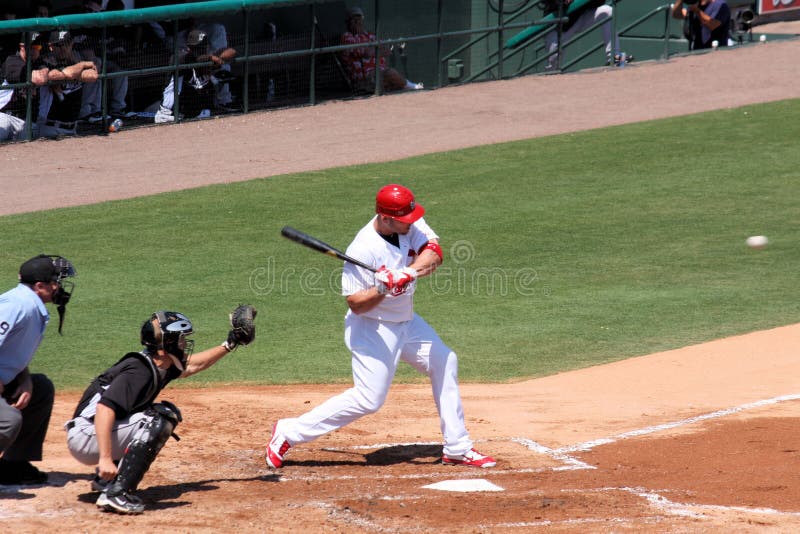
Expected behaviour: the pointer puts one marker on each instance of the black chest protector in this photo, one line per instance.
(100, 383)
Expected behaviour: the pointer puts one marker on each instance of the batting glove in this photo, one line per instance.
(406, 278)
(384, 280)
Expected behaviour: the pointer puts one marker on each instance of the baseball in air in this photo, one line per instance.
(757, 241)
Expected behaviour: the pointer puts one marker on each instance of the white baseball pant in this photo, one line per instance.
(376, 348)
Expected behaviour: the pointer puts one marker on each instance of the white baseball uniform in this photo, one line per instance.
(378, 339)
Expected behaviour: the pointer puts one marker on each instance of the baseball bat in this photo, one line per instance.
(315, 244)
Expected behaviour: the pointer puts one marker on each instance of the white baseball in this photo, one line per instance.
(757, 241)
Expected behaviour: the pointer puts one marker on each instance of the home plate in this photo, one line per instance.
(471, 484)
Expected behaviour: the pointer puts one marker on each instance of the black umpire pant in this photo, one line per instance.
(22, 432)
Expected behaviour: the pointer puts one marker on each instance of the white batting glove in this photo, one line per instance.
(384, 280)
(405, 280)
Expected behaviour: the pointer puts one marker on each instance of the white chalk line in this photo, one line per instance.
(562, 454)
(586, 446)
(581, 521)
(687, 509)
(451, 472)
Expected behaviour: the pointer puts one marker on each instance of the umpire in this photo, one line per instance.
(26, 399)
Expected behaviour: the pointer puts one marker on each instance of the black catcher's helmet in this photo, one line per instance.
(168, 330)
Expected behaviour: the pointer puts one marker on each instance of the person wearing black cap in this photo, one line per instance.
(26, 399)
(60, 103)
(13, 102)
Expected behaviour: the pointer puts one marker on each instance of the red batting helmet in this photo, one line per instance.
(397, 202)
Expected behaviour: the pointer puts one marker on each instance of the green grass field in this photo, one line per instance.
(561, 252)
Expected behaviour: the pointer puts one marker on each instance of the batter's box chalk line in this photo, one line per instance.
(696, 510)
(563, 454)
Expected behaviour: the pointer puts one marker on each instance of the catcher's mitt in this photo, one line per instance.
(243, 327)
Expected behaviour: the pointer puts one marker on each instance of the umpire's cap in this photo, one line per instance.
(44, 268)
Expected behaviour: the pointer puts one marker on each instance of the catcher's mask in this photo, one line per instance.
(168, 330)
(51, 268)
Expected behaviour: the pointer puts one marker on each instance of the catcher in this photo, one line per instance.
(118, 426)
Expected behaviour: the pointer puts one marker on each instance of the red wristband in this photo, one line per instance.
(434, 247)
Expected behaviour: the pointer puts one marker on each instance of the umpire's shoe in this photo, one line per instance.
(277, 447)
(123, 503)
(20, 473)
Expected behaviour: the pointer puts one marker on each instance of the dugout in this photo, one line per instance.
(289, 50)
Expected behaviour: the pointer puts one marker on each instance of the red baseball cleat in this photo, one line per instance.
(276, 448)
(471, 458)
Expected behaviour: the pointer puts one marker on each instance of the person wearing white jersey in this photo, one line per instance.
(381, 329)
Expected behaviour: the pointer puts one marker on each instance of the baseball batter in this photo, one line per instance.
(381, 328)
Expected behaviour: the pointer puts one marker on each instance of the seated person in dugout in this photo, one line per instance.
(197, 85)
(60, 103)
(361, 63)
(13, 101)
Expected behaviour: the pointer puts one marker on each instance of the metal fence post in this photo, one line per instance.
(500, 43)
(615, 50)
(440, 22)
(378, 73)
(104, 80)
(246, 82)
(176, 103)
(28, 89)
(667, 17)
(312, 94)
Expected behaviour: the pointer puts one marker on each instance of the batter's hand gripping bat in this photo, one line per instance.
(315, 244)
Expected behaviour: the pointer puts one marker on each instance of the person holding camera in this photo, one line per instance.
(706, 21)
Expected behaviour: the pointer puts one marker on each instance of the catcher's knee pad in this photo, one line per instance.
(146, 444)
(168, 410)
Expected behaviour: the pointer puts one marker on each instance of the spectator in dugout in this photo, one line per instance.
(361, 62)
(60, 102)
(195, 85)
(13, 100)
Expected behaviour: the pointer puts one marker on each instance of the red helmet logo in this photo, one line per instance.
(397, 202)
